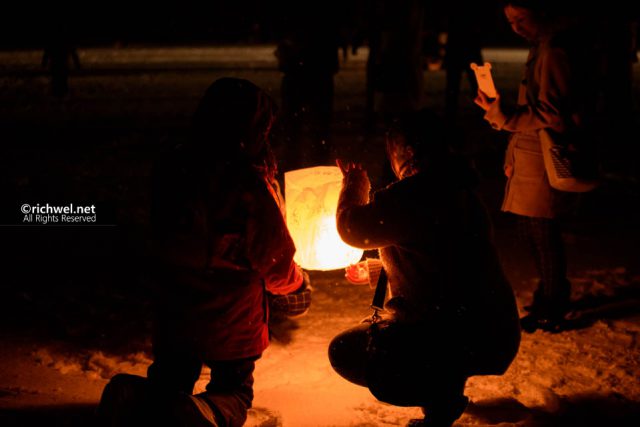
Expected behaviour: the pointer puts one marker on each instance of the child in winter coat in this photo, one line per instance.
(222, 245)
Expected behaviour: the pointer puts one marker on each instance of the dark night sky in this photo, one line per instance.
(105, 22)
(227, 21)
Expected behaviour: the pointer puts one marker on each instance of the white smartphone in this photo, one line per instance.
(484, 79)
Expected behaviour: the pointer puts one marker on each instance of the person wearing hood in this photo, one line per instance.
(448, 293)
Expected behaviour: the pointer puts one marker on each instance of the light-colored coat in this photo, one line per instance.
(546, 99)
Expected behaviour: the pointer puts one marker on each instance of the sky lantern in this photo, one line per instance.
(311, 196)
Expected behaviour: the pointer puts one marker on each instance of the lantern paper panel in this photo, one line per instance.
(311, 197)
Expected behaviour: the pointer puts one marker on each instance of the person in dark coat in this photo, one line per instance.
(448, 293)
(395, 72)
(463, 46)
(222, 245)
(58, 52)
(307, 52)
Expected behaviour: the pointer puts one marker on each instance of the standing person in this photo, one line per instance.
(463, 46)
(307, 54)
(447, 287)
(57, 54)
(616, 55)
(553, 95)
(395, 66)
(222, 246)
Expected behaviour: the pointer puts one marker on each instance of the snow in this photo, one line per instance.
(573, 375)
(552, 374)
(66, 328)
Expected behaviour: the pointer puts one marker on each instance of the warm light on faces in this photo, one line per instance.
(523, 22)
(400, 155)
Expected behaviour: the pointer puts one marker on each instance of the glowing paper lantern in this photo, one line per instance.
(311, 197)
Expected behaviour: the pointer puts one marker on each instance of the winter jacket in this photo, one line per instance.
(434, 240)
(221, 241)
(549, 97)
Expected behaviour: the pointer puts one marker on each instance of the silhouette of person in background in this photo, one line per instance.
(616, 53)
(58, 52)
(307, 53)
(394, 33)
(464, 23)
(395, 71)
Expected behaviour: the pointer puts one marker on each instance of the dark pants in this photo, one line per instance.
(131, 400)
(397, 371)
(454, 72)
(307, 113)
(229, 393)
(544, 238)
(127, 401)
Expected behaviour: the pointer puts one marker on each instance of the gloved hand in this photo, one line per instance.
(306, 282)
(357, 274)
(294, 304)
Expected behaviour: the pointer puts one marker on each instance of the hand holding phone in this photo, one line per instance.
(484, 79)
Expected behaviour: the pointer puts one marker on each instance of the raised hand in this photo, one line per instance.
(347, 167)
(484, 102)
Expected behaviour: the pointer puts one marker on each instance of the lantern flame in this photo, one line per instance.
(311, 196)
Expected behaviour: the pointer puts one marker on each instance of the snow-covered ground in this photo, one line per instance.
(555, 377)
(72, 316)
(587, 376)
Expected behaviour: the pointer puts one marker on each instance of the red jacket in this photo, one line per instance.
(221, 241)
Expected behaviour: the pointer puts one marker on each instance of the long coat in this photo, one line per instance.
(434, 239)
(221, 241)
(549, 97)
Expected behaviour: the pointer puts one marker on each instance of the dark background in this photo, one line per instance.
(89, 287)
(97, 144)
(29, 25)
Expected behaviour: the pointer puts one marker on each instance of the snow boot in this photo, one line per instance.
(193, 411)
(441, 416)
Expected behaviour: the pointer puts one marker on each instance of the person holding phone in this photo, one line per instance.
(553, 95)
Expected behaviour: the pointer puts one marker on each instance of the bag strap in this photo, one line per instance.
(379, 295)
